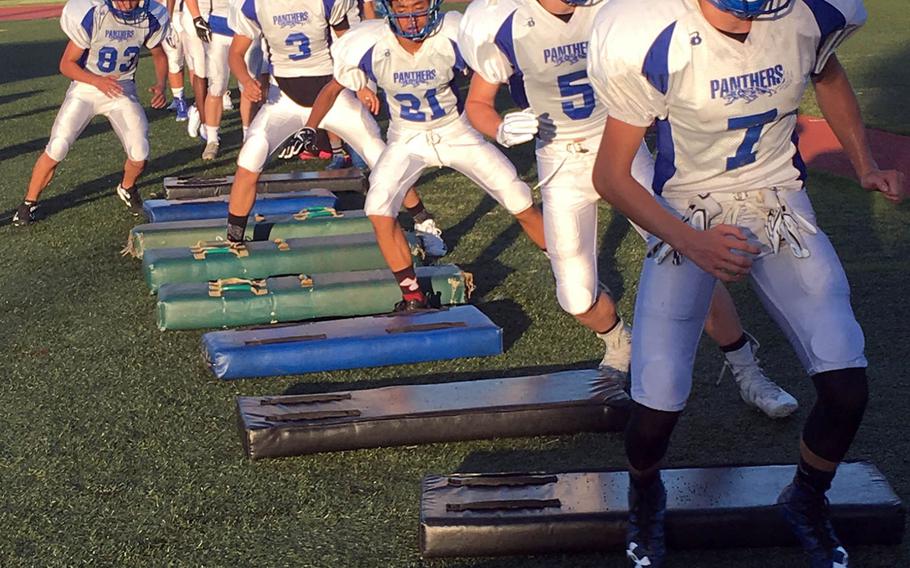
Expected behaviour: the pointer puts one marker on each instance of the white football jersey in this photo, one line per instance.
(111, 47)
(296, 31)
(725, 110)
(418, 87)
(542, 58)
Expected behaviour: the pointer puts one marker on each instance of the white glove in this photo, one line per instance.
(517, 128)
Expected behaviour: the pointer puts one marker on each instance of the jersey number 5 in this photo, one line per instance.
(572, 85)
(753, 123)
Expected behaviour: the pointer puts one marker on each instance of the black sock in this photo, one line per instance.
(817, 479)
(407, 282)
(643, 482)
(612, 327)
(338, 150)
(419, 213)
(236, 228)
(736, 345)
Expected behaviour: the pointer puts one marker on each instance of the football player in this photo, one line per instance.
(413, 56)
(105, 39)
(173, 48)
(297, 37)
(210, 22)
(540, 49)
(723, 80)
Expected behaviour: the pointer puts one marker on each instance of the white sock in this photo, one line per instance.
(211, 133)
(178, 93)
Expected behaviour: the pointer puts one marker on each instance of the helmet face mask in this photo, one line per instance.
(130, 12)
(753, 9)
(581, 3)
(407, 24)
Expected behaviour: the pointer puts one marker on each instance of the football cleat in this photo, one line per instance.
(211, 150)
(645, 542)
(618, 354)
(131, 198)
(182, 109)
(193, 121)
(412, 305)
(430, 236)
(173, 105)
(756, 389)
(226, 102)
(339, 162)
(806, 511)
(25, 214)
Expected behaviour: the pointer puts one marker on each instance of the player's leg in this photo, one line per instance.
(253, 60)
(216, 62)
(173, 48)
(670, 311)
(278, 119)
(396, 170)
(129, 123)
(810, 299)
(78, 108)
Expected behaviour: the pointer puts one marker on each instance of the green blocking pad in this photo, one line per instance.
(312, 255)
(310, 222)
(347, 179)
(294, 298)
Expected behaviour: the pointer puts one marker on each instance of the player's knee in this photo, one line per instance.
(574, 298)
(648, 435)
(138, 151)
(255, 152)
(378, 201)
(661, 382)
(844, 393)
(57, 148)
(837, 338)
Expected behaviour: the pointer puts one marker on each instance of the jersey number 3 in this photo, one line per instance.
(107, 59)
(572, 85)
(303, 46)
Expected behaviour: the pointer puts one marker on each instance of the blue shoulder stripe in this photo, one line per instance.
(366, 64)
(828, 18)
(460, 64)
(656, 65)
(154, 26)
(327, 5)
(88, 22)
(248, 9)
(504, 42)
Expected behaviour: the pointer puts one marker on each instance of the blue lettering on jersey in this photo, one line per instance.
(414, 78)
(290, 19)
(118, 35)
(749, 86)
(570, 53)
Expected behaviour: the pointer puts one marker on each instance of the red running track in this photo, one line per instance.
(30, 12)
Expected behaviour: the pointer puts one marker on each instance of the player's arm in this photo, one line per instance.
(323, 103)
(513, 128)
(369, 10)
(70, 68)
(612, 177)
(839, 106)
(240, 44)
(170, 7)
(159, 60)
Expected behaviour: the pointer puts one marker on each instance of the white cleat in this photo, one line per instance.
(211, 150)
(615, 364)
(431, 237)
(226, 102)
(755, 388)
(193, 122)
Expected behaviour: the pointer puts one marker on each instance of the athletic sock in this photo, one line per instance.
(178, 93)
(211, 133)
(236, 228)
(736, 345)
(817, 479)
(407, 282)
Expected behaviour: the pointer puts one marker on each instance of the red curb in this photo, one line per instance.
(820, 149)
(31, 12)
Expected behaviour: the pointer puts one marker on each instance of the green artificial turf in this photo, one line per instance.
(118, 448)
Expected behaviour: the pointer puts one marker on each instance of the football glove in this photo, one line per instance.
(517, 128)
(784, 224)
(304, 139)
(202, 29)
(702, 209)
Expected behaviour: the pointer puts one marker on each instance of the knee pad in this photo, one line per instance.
(254, 153)
(838, 411)
(57, 148)
(378, 201)
(138, 151)
(574, 298)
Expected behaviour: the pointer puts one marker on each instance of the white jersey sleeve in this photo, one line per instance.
(243, 20)
(615, 68)
(156, 34)
(477, 39)
(349, 51)
(837, 20)
(77, 21)
(339, 9)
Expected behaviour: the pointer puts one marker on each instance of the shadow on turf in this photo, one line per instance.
(30, 60)
(17, 97)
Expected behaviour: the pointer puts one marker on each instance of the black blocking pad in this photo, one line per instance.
(348, 179)
(715, 507)
(557, 403)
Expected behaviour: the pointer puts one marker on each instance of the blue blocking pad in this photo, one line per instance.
(393, 339)
(158, 210)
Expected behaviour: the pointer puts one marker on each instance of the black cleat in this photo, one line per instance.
(25, 214)
(131, 198)
(806, 511)
(645, 542)
(414, 305)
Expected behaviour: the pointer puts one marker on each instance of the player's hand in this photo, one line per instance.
(715, 252)
(517, 128)
(252, 90)
(889, 182)
(158, 100)
(202, 29)
(109, 86)
(369, 99)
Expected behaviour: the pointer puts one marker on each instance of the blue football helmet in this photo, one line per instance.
(132, 16)
(581, 2)
(434, 18)
(752, 9)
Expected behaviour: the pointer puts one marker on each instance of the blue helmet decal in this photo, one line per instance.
(752, 9)
(582, 2)
(432, 13)
(132, 16)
